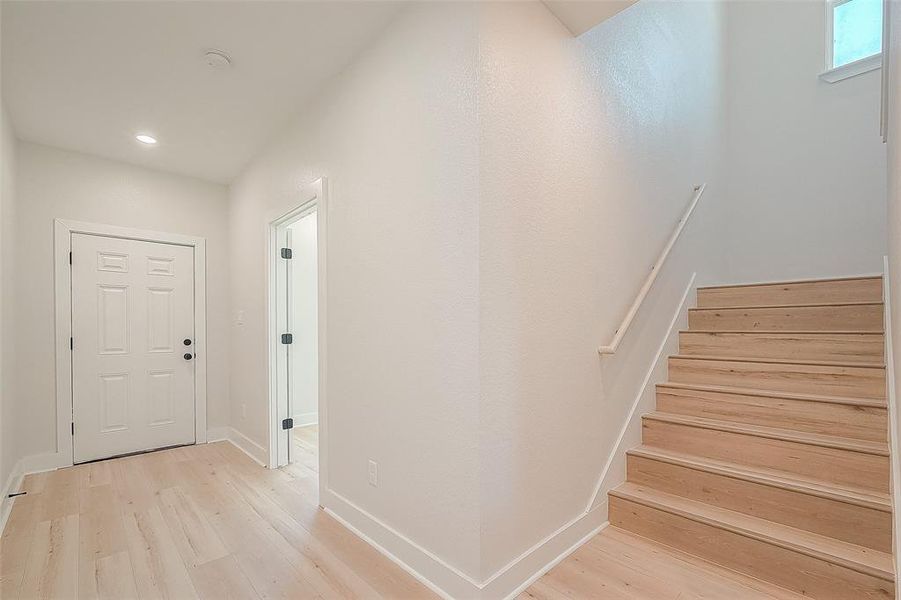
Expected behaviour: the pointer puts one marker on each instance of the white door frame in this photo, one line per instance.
(313, 197)
(62, 287)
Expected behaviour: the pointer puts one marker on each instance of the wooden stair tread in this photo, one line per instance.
(789, 282)
(804, 305)
(797, 483)
(864, 560)
(814, 439)
(870, 402)
(784, 332)
(780, 361)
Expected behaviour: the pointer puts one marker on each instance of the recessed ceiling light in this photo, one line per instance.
(217, 59)
(146, 139)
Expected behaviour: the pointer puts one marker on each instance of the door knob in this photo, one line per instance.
(187, 342)
(188, 356)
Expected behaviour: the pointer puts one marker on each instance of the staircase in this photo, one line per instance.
(768, 451)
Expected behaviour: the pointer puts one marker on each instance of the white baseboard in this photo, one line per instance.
(304, 419)
(241, 441)
(446, 580)
(12, 484)
(38, 463)
(530, 566)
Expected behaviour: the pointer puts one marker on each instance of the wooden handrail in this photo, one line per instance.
(652, 276)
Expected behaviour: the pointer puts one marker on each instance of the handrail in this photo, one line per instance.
(652, 276)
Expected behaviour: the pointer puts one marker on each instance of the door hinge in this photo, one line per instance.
(70, 257)
(287, 338)
(73, 428)
(287, 253)
(288, 424)
(71, 343)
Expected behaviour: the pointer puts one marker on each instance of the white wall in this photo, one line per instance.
(396, 136)
(589, 151)
(55, 183)
(304, 322)
(806, 165)
(8, 451)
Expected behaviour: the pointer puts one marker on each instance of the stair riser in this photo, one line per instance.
(833, 465)
(852, 317)
(852, 421)
(836, 347)
(852, 523)
(851, 381)
(781, 566)
(811, 292)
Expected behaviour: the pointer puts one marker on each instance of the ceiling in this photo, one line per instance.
(581, 15)
(88, 76)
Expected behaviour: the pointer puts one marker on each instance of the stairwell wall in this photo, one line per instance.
(589, 151)
(805, 164)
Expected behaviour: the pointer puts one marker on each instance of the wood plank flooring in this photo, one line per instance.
(306, 447)
(195, 522)
(207, 522)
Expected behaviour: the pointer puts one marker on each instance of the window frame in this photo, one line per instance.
(833, 74)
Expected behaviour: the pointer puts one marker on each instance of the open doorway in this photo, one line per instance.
(296, 250)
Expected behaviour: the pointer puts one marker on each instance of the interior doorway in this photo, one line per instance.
(296, 251)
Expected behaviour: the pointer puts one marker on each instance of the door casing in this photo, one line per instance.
(314, 197)
(62, 285)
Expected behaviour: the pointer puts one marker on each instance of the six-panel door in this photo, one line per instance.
(132, 368)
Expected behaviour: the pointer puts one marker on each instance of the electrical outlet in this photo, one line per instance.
(243, 411)
(373, 473)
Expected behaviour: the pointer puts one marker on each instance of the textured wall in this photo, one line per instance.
(396, 136)
(589, 151)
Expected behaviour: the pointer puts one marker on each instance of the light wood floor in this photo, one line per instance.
(617, 565)
(306, 447)
(195, 522)
(207, 522)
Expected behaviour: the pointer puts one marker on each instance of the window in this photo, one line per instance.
(854, 37)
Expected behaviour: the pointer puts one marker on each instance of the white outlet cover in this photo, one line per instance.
(373, 473)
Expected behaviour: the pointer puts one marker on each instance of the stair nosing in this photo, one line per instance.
(819, 554)
(800, 305)
(778, 361)
(740, 391)
(737, 471)
(785, 332)
(774, 433)
(790, 282)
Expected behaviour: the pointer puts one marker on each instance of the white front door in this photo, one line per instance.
(133, 336)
